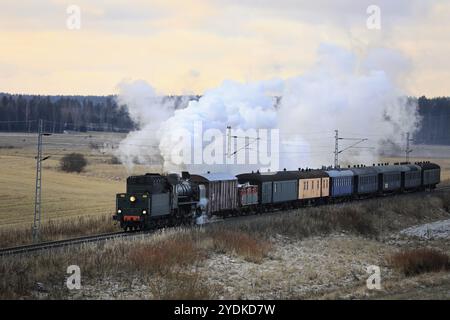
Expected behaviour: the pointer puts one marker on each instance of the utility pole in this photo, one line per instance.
(229, 137)
(228, 141)
(408, 150)
(336, 148)
(37, 199)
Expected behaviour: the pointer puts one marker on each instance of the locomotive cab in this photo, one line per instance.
(147, 197)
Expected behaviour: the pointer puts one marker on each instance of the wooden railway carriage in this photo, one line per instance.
(341, 183)
(389, 178)
(365, 180)
(221, 191)
(431, 174)
(313, 184)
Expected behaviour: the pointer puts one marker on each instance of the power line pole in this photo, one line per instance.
(229, 141)
(37, 199)
(408, 150)
(336, 148)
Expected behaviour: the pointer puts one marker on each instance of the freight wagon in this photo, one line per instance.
(221, 191)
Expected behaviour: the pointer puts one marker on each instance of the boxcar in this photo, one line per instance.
(412, 178)
(221, 191)
(365, 180)
(389, 178)
(341, 182)
(431, 174)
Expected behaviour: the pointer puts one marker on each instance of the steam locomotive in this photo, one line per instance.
(154, 200)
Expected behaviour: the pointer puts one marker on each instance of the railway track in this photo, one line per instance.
(102, 237)
(66, 242)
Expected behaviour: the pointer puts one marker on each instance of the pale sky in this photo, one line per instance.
(188, 46)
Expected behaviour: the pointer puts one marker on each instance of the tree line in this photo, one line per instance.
(435, 122)
(20, 113)
(78, 113)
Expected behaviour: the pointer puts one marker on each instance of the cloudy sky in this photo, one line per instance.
(182, 46)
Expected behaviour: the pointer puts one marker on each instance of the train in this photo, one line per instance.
(155, 200)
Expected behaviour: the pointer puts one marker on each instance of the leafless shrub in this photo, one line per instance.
(114, 160)
(417, 261)
(164, 255)
(73, 162)
(240, 243)
(182, 286)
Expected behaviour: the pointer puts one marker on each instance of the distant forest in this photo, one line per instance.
(19, 113)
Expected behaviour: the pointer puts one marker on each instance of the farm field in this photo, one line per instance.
(91, 192)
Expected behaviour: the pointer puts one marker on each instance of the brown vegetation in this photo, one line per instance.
(240, 243)
(165, 255)
(417, 261)
(57, 229)
(73, 162)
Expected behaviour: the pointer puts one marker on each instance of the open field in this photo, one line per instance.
(91, 192)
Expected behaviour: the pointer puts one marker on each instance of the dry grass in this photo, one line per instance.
(166, 261)
(57, 229)
(240, 243)
(417, 261)
(21, 273)
(165, 255)
(182, 286)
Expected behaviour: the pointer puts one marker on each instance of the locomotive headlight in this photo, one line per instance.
(132, 198)
(144, 211)
(119, 211)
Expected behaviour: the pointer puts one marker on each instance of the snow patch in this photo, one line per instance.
(435, 230)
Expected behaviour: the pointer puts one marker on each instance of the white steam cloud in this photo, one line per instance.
(359, 96)
(148, 110)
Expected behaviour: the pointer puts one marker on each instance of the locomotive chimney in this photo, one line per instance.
(185, 175)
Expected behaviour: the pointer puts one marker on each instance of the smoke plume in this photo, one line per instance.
(360, 96)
